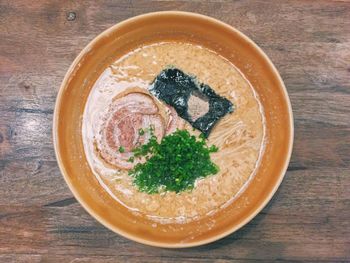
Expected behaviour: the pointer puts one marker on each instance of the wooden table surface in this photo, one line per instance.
(308, 218)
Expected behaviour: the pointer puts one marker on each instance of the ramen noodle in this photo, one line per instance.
(239, 136)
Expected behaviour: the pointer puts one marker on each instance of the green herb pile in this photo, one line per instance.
(174, 164)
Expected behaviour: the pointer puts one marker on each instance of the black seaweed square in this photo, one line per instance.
(175, 87)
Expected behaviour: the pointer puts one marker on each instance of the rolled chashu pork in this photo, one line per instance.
(126, 125)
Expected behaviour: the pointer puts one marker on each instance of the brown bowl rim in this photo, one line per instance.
(121, 232)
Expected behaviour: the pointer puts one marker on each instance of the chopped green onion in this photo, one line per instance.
(174, 164)
(121, 149)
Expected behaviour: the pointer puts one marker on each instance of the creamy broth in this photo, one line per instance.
(239, 135)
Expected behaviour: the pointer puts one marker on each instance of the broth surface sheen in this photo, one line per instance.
(240, 136)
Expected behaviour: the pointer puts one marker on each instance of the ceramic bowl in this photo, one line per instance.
(172, 26)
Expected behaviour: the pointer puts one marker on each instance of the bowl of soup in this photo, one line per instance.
(173, 129)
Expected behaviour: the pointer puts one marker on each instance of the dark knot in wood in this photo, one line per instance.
(71, 16)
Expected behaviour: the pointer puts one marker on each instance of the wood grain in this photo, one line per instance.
(307, 220)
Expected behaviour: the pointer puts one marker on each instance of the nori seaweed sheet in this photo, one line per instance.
(175, 87)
